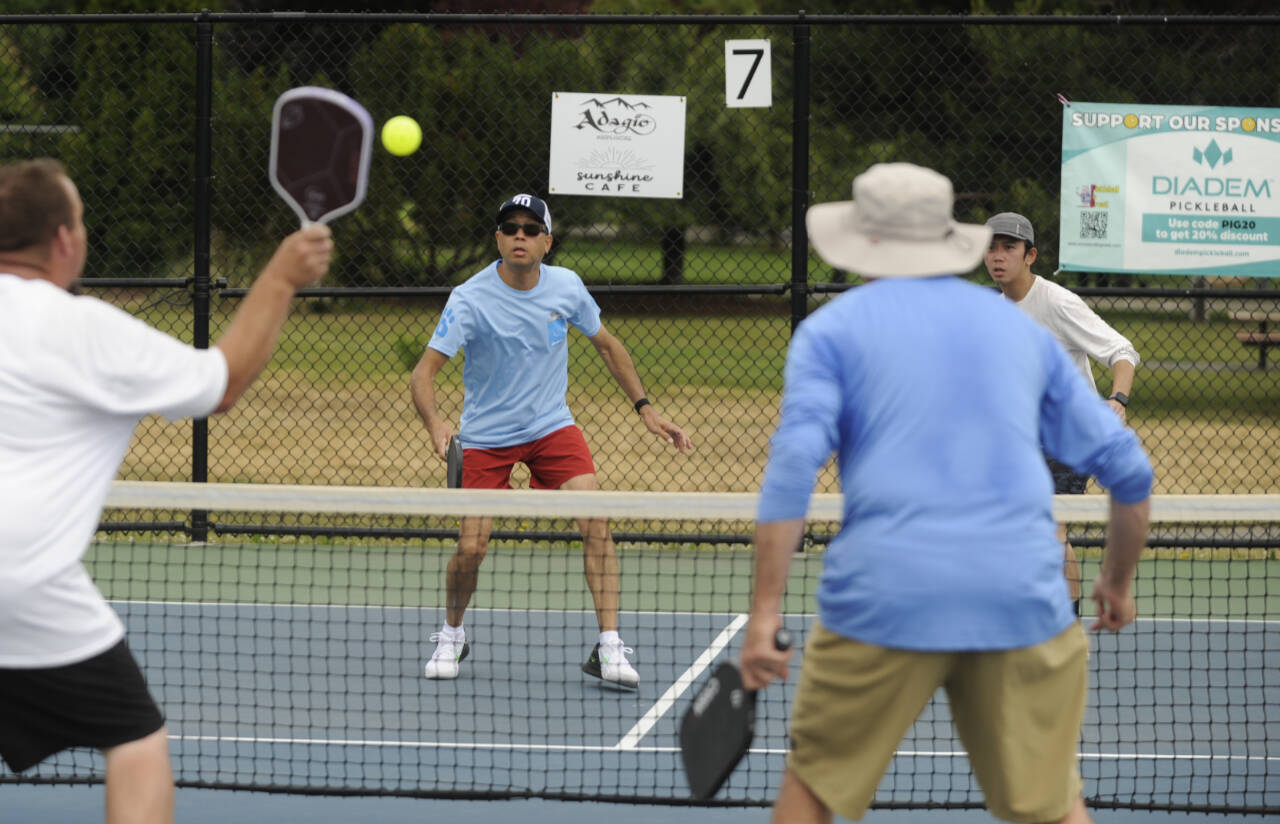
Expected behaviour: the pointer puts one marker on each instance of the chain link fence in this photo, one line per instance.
(163, 121)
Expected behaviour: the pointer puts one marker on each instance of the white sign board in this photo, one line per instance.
(748, 74)
(1172, 190)
(615, 145)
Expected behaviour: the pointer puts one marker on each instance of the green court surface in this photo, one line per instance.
(411, 574)
(1204, 584)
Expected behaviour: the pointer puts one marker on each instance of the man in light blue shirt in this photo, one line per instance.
(936, 396)
(513, 320)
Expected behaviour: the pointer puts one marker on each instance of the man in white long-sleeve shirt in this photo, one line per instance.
(1077, 327)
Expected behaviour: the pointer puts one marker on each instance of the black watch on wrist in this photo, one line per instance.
(1120, 398)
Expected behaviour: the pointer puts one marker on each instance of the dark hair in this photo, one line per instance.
(33, 203)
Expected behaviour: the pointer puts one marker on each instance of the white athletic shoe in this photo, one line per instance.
(609, 663)
(449, 653)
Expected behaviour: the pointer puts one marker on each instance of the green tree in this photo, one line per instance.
(124, 94)
(134, 153)
(736, 161)
(23, 108)
(483, 102)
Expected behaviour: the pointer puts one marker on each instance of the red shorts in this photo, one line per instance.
(552, 460)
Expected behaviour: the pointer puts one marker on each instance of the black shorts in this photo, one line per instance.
(100, 702)
(1066, 481)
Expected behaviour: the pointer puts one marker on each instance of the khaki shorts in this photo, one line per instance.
(1018, 713)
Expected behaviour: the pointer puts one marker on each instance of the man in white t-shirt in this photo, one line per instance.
(76, 376)
(513, 319)
(1077, 327)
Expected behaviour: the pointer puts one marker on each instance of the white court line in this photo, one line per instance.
(681, 684)
(332, 742)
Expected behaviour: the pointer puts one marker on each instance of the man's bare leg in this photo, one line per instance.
(1079, 814)
(796, 803)
(464, 566)
(599, 560)
(140, 781)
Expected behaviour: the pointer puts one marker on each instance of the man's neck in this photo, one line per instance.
(523, 278)
(1016, 289)
(24, 268)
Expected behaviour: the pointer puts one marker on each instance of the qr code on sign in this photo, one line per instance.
(1093, 225)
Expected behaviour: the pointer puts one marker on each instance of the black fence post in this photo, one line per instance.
(201, 281)
(800, 174)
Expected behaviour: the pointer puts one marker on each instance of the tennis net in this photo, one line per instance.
(287, 648)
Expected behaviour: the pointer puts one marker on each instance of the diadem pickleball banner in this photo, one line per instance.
(1171, 190)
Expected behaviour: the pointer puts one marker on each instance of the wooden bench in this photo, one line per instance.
(1262, 337)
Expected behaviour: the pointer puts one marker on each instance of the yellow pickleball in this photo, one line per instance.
(401, 135)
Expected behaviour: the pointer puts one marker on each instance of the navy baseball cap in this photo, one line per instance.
(1012, 224)
(532, 204)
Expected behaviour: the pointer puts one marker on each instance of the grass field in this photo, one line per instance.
(334, 406)
(623, 263)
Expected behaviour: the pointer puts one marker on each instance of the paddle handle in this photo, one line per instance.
(782, 640)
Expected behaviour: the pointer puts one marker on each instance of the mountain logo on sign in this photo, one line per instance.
(1211, 155)
(604, 104)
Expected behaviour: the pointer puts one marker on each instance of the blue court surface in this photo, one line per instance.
(332, 698)
(74, 805)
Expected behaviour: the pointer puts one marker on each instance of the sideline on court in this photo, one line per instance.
(73, 805)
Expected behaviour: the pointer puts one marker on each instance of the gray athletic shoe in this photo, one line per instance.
(609, 663)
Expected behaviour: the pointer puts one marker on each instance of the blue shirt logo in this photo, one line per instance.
(442, 328)
(557, 329)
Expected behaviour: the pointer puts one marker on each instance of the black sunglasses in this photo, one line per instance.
(509, 228)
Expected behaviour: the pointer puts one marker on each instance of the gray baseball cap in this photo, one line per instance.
(1012, 224)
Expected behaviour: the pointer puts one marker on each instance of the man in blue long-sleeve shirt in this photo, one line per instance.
(936, 396)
